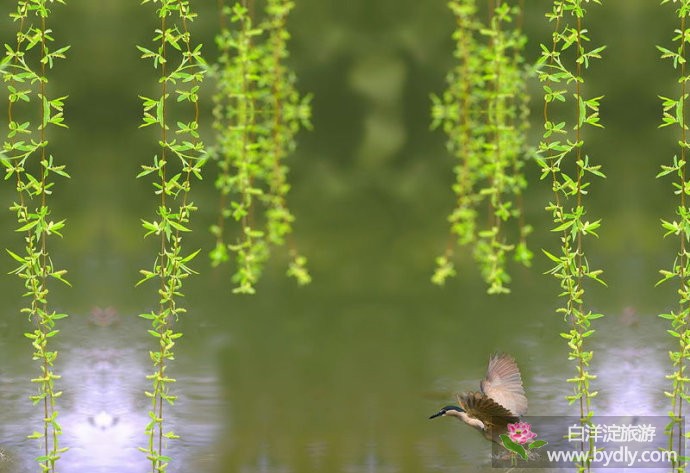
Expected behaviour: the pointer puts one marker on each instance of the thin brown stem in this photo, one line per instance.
(584, 400)
(497, 42)
(223, 106)
(163, 261)
(680, 391)
(48, 399)
(221, 14)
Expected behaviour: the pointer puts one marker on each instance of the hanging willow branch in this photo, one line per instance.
(27, 160)
(674, 115)
(258, 112)
(181, 157)
(564, 161)
(483, 113)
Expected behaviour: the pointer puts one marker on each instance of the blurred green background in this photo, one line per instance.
(340, 375)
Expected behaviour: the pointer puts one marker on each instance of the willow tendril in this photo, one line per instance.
(258, 112)
(520, 122)
(483, 114)
(25, 156)
(181, 70)
(562, 158)
(674, 115)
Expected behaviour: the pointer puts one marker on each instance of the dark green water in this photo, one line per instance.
(339, 376)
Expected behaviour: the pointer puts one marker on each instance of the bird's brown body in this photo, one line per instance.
(500, 402)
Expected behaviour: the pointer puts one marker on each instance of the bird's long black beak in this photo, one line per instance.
(438, 414)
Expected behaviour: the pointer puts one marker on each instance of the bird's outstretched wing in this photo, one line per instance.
(503, 384)
(479, 406)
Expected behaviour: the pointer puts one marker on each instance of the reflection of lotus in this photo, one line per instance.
(103, 317)
(520, 432)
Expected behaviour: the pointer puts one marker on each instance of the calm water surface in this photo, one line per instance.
(307, 383)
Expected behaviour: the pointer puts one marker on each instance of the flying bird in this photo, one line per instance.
(500, 401)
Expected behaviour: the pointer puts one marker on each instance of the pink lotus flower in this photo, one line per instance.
(520, 432)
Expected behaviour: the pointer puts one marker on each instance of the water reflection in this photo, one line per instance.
(103, 415)
(372, 464)
(264, 464)
(631, 365)
(103, 410)
(290, 396)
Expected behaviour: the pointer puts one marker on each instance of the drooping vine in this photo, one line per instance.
(483, 113)
(564, 160)
(30, 164)
(674, 115)
(179, 160)
(258, 112)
